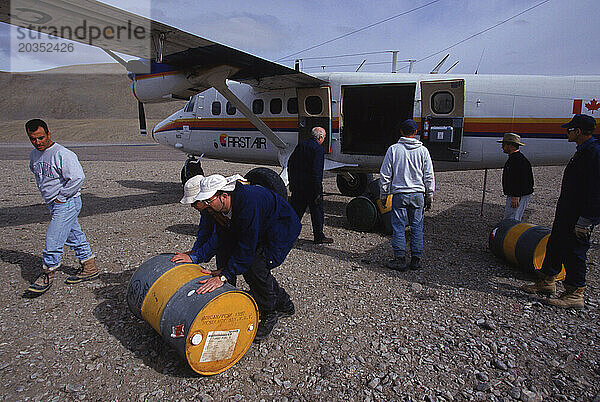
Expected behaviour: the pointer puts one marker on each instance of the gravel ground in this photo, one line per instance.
(458, 330)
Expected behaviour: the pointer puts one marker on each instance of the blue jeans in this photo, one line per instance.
(407, 209)
(64, 229)
(516, 213)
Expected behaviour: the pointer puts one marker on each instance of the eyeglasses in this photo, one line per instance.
(570, 130)
(210, 200)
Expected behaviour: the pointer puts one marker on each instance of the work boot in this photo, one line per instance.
(572, 297)
(286, 310)
(87, 272)
(324, 240)
(545, 285)
(415, 263)
(266, 325)
(40, 286)
(397, 264)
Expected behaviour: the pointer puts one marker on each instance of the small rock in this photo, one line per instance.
(482, 386)
(416, 287)
(72, 388)
(500, 365)
(374, 383)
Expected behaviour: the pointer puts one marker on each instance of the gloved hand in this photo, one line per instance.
(583, 228)
(383, 198)
(428, 201)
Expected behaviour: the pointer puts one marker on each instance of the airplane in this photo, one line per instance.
(245, 109)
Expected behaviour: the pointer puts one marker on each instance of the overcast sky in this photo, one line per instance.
(558, 37)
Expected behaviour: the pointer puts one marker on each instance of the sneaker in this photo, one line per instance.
(87, 272)
(397, 264)
(266, 326)
(41, 285)
(287, 310)
(324, 240)
(415, 263)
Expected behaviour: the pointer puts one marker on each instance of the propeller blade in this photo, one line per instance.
(142, 117)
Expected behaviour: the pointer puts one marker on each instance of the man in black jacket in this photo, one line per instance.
(305, 171)
(577, 212)
(517, 177)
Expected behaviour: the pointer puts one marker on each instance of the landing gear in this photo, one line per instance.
(353, 184)
(191, 168)
(267, 178)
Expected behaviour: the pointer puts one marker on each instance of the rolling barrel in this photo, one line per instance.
(521, 244)
(366, 212)
(211, 331)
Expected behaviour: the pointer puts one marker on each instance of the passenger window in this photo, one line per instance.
(230, 109)
(313, 105)
(276, 106)
(442, 102)
(258, 106)
(292, 106)
(216, 108)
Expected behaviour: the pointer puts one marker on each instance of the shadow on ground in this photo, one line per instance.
(160, 193)
(135, 334)
(30, 265)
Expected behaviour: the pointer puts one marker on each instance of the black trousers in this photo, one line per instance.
(267, 293)
(566, 248)
(300, 201)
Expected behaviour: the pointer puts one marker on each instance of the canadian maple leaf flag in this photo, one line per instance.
(592, 106)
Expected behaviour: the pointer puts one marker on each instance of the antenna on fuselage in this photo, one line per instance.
(451, 67)
(361, 64)
(436, 69)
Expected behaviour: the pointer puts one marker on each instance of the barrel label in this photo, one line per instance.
(219, 345)
(178, 331)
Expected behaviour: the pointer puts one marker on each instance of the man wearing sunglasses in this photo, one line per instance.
(577, 212)
(264, 228)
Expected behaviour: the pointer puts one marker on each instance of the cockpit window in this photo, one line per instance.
(189, 107)
(216, 108)
(230, 109)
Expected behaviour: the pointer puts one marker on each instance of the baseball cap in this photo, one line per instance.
(408, 125)
(582, 121)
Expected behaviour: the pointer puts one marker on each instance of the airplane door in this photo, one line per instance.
(314, 110)
(442, 118)
(189, 112)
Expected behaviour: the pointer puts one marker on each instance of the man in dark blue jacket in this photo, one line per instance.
(263, 228)
(577, 212)
(305, 172)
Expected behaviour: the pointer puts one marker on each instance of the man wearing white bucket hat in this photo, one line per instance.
(212, 230)
(263, 229)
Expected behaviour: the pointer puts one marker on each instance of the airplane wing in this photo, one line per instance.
(114, 29)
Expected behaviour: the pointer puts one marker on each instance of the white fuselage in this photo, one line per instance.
(531, 106)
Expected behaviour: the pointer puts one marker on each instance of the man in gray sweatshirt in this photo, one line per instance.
(407, 173)
(59, 176)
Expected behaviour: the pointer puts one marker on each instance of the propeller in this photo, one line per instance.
(142, 118)
(132, 67)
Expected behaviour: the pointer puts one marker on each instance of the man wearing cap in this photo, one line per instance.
(577, 212)
(517, 177)
(407, 173)
(212, 234)
(305, 169)
(264, 228)
(59, 177)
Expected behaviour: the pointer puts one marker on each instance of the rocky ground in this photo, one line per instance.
(457, 330)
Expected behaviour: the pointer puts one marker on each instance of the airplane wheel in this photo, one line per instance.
(354, 187)
(191, 168)
(267, 178)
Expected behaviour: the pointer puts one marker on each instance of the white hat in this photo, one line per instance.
(190, 189)
(213, 183)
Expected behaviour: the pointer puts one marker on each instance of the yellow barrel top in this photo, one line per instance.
(221, 333)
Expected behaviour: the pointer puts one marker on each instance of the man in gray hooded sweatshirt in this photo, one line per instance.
(407, 174)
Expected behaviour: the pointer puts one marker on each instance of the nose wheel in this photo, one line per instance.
(191, 168)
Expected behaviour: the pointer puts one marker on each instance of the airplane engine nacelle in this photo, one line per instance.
(155, 88)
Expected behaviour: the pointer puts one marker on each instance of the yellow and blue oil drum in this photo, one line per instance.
(367, 212)
(521, 244)
(212, 331)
